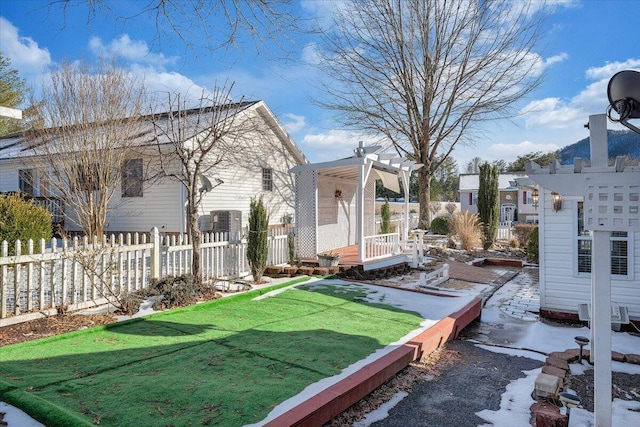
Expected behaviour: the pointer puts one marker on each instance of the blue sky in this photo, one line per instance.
(585, 44)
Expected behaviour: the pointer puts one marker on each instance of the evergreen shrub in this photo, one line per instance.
(440, 225)
(21, 219)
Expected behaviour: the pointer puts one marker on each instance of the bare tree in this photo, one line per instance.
(193, 142)
(80, 140)
(423, 74)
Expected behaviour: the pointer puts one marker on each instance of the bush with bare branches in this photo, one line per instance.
(466, 227)
(522, 233)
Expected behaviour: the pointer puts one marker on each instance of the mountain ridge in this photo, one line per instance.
(621, 143)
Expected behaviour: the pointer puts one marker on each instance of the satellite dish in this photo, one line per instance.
(624, 97)
(206, 184)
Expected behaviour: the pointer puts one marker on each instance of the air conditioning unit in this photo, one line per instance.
(226, 221)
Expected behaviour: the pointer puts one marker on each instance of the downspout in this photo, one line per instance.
(183, 202)
(405, 229)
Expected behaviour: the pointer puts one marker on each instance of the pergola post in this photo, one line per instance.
(600, 288)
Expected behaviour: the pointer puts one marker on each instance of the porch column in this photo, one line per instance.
(363, 175)
(405, 230)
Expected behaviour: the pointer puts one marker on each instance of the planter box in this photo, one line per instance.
(328, 261)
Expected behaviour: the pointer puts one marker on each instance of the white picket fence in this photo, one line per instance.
(82, 273)
(505, 231)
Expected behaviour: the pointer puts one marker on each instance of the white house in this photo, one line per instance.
(516, 201)
(268, 153)
(567, 223)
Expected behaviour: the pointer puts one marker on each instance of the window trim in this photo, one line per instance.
(267, 181)
(588, 237)
(127, 188)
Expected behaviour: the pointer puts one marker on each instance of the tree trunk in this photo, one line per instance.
(194, 235)
(424, 184)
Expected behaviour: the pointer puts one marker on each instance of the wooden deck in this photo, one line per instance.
(349, 256)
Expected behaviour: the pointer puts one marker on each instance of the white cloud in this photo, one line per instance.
(556, 113)
(293, 122)
(551, 113)
(512, 151)
(133, 50)
(610, 68)
(25, 54)
(310, 54)
(332, 145)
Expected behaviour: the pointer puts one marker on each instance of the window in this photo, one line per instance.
(25, 181)
(132, 178)
(267, 179)
(619, 244)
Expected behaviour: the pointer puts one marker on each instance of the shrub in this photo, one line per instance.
(257, 245)
(291, 246)
(466, 226)
(489, 203)
(385, 218)
(21, 220)
(532, 246)
(522, 233)
(440, 225)
(176, 291)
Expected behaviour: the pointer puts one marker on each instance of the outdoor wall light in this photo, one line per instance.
(557, 201)
(535, 197)
(338, 194)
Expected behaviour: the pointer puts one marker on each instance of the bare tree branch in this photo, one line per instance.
(267, 25)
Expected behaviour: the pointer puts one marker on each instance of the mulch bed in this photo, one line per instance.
(50, 326)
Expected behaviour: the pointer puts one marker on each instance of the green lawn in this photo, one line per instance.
(227, 362)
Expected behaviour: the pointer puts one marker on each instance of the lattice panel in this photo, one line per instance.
(370, 208)
(306, 185)
(612, 207)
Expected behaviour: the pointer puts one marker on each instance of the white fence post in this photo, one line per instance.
(155, 253)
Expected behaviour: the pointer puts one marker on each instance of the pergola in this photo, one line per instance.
(612, 203)
(335, 204)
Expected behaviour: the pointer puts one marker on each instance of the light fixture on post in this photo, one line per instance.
(557, 201)
(535, 197)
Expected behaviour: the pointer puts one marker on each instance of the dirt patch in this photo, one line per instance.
(624, 387)
(428, 369)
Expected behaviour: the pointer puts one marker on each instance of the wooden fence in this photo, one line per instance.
(80, 273)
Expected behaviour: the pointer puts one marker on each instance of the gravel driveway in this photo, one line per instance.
(470, 380)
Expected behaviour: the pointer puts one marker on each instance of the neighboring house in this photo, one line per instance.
(516, 201)
(262, 170)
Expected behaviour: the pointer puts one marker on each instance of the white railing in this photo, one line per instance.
(435, 277)
(381, 245)
(79, 273)
(505, 231)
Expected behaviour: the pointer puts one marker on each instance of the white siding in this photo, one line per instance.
(562, 289)
(337, 217)
(8, 177)
(242, 178)
(161, 205)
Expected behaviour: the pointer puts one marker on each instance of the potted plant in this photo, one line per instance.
(328, 259)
